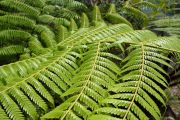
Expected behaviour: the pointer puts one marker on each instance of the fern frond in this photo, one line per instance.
(36, 47)
(66, 13)
(71, 4)
(62, 33)
(68, 69)
(167, 43)
(12, 35)
(102, 117)
(18, 21)
(96, 15)
(35, 3)
(11, 50)
(31, 93)
(21, 7)
(112, 9)
(87, 88)
(60, 11)
(167, 25)
(48, 19)
(22, 68)
(84, 21)
(131, 11)
(2, 12)
(146, 5)
(136, 88)
(46, 35)
(116, 19)
(166, 22)
(134, 37)
(113, 17)
(73, 26)
(54, 75)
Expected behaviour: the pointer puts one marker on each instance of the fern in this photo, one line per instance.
(169, 25)
(114, 17)
(145, 5)
(87, 90)
(18, 21)
(76, 70)
(11, 35)
(48, 76)
(13, 49)
(140, 81)
(19, 6)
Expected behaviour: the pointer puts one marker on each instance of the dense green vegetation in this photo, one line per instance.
(69, 60)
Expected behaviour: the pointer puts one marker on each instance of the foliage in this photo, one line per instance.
(168, 25)
(95, 69)
(137, 12)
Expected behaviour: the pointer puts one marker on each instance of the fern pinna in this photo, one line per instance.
(61, 69)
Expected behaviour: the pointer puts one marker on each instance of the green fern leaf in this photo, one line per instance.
(136, 89)
(18, 21)
(21, 7)
(11, 50)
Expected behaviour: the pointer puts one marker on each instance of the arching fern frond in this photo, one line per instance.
(22, 68)
(47, 36)
(96, 15)
(145, 5)
(72, 4)
(168, 26)
(18, 21)
(84, 21)
(141, 82)
(62, 33)
(11, 50)
(66, 13)
(35, 3)
(36, 47)
(167, 43)
(12, 35)
(166, 22)
(93, 77)
(131, 11)
(21, 7)
(53, 75)
(48, 19)
(113, 17)
(66, 9)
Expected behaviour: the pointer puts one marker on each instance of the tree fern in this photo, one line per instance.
(76, 70)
